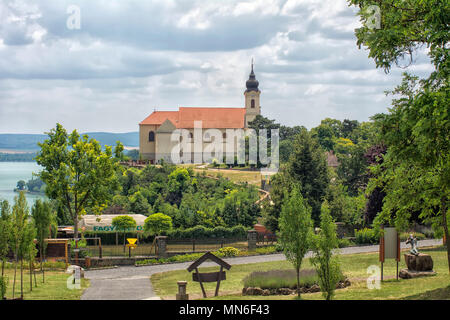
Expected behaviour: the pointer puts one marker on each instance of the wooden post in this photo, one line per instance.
(66, 254)
(382, 250)
(218, 281)
(100, 254)
(201, 283)
(398, 251)
(76, 252)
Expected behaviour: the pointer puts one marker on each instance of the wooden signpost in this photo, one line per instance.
(389, 246)
(210, 276)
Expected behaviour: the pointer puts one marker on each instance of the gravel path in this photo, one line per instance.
(133, 283)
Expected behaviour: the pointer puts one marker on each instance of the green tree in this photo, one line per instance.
(157, 223)
(138, 204)
(118, 150)
(124, 224)
(325, 263)
(28, 249)
(179, 179)
(307, 167)
(5, 231)
(43, 219)
(281, 184)
(19, 220)
(295, 230)
(77, 172)
(417, 128)
(21, 185)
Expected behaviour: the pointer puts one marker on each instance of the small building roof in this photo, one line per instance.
(90, 221)
(208, 256)
(332, 160)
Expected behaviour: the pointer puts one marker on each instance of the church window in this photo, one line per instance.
(190, 135)
(151, 136)
(253, 103)
(224, 135)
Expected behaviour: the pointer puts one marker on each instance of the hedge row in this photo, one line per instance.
(200, 232)
(197, 232)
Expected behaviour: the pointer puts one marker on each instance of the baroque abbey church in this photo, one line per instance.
(155, 131)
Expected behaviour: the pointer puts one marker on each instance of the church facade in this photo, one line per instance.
(156, 131)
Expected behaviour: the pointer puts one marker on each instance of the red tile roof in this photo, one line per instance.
(158, 117)
(219, 118)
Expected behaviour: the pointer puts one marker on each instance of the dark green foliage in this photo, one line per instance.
(189, 200)
(307, 168)
(200, 232)
(366, 236)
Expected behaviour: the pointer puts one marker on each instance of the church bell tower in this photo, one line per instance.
(252, 94)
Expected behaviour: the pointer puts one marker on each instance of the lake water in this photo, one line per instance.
(10, 173)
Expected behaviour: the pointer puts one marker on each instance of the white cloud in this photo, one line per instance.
(132, 56)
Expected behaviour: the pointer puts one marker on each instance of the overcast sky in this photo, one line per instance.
(130, 57)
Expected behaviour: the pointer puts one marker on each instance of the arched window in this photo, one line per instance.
(252, 103)
(190, 135)
(224, 135)
(151, 136)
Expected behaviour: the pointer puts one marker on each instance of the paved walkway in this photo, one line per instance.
(133, 283)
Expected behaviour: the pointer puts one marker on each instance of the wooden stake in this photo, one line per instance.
(201, 283)
(218, 281)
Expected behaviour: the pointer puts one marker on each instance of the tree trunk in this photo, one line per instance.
(31, 275)
(15, 272)
(21, 278)
(42, 267)
(298, 282)
(445, 225)
(75, 226)
(34, 274)
(3, 267)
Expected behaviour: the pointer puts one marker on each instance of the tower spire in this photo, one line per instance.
(252, 83)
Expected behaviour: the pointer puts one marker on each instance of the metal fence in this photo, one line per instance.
(266, 239)
(94, 247)
(203, 245)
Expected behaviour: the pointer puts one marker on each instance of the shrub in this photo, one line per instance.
(418, 235)
(52, 265)
(267, 250)
(345, 242)
(201, 232)
(275, 279)
(228, 252)
(81, 245)
(366, 236)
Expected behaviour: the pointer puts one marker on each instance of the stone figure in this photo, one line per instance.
(413, 241)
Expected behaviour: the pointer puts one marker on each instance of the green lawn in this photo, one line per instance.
(353, 266)
(236, 176)
(54, 288)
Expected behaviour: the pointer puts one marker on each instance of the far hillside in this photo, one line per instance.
(28, 142)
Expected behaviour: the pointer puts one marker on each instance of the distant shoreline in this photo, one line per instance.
(9, 151)
(30, 192)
